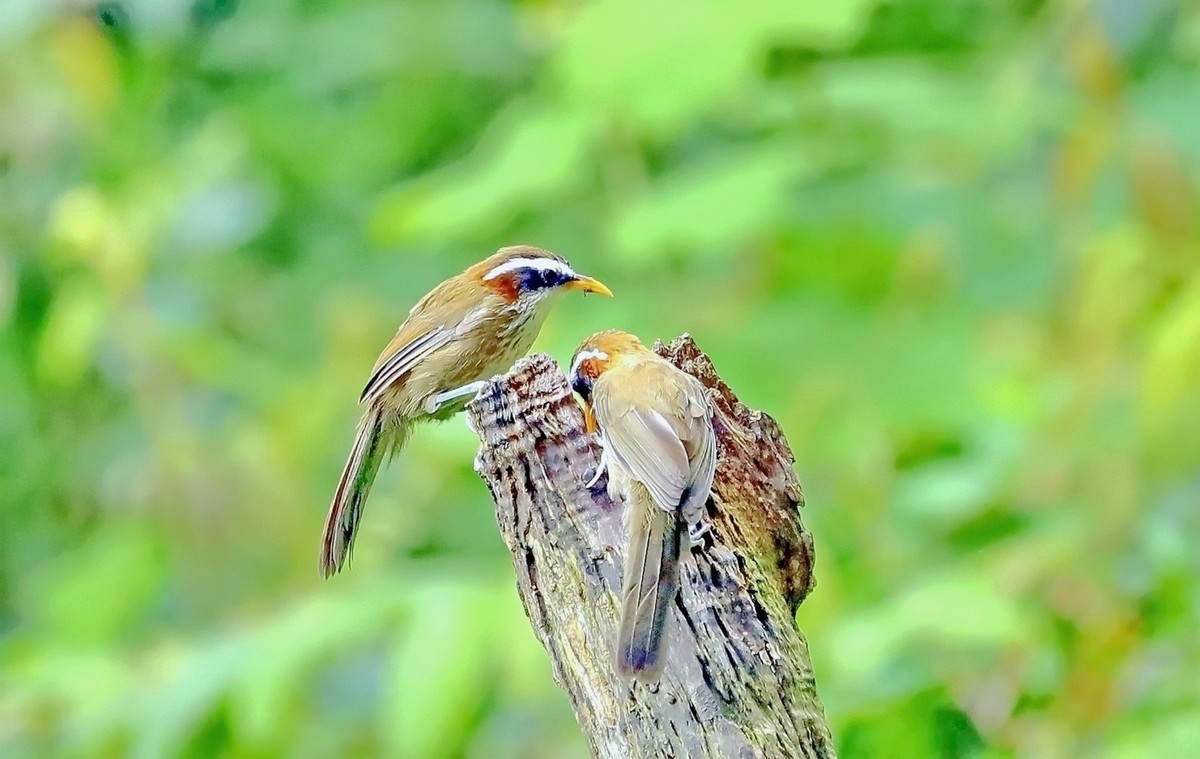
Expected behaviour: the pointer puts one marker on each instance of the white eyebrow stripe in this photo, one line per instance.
(545, 264)
(584, 356)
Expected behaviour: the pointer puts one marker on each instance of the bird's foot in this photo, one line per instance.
(600, 469)
(450, 402)
(697, 531)
(591, 483)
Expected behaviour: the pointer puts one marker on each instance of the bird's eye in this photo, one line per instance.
(532, 280)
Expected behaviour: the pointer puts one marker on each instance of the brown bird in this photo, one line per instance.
(466, 329)
(655, 427)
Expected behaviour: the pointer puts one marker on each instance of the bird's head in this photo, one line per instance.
(596, 355)
(523, 274)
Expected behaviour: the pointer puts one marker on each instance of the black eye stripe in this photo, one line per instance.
(532, 279)
(583, 386)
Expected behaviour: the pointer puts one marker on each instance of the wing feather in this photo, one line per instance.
(399, 358)
(703, 456)
(653, 445)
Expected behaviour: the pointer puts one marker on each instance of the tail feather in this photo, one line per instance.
(345, 512)
(650, 584)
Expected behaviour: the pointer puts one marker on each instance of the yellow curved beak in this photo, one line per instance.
(589, 285)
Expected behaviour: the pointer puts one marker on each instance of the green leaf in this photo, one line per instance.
(529, 153)
(662, 64)
(713, 206)
(121, 564)
(440, 671)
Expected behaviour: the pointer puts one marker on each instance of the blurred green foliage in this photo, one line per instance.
(952, 245)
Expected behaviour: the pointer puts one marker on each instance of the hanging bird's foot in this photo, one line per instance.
(448, 403)
(697, 531)
(601, 467)
(595, 477)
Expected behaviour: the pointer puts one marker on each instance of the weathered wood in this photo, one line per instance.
(738, 681)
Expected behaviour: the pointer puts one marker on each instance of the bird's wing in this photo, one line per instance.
(400, 356)
(639, 416)
(422, 333)
(701, 445)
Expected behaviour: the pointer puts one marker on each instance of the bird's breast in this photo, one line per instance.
(488, 348)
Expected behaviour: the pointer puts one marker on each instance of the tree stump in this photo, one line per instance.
(738, 682)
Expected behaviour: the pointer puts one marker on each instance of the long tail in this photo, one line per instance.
(345, 512)
(650, 584)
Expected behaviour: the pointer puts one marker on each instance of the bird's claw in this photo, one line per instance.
(452, 401)
(600, 468)
(591, 483)
(697, 531)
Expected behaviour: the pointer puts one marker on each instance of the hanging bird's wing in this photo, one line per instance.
(700, 441)
(643, 444)
(657, 426)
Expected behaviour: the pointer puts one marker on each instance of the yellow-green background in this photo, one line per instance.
(952, 245)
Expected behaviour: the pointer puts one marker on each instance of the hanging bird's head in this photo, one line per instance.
(595, 356)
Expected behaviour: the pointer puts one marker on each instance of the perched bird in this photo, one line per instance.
(466, 329)
(655, 427)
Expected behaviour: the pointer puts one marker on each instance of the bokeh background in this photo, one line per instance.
(952, 245)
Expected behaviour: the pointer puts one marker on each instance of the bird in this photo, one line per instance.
(470, 327)
(655, 428)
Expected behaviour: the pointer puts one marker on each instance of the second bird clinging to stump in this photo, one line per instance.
(654, 423)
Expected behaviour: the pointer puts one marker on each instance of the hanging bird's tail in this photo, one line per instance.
(649, 587)
(370, 447)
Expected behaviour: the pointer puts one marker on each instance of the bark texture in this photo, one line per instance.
(738, 682)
